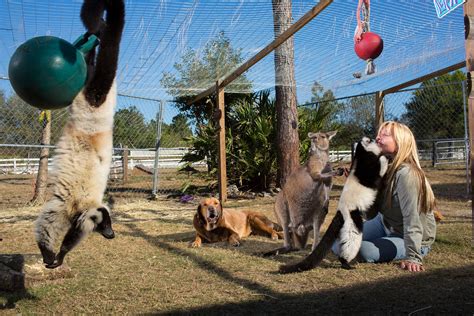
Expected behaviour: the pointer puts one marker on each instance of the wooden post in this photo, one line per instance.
(469, 36)
(125, 165)
(222, 173)
(379, 109)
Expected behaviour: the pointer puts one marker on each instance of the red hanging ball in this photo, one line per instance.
(369, 47)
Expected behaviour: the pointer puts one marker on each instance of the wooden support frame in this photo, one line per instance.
(424, 78)
(379, 109)
(222, 172)
(379, 96)
(267, 50)
(469, 43)
(218, 88)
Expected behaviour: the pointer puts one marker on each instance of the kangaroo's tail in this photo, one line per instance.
(318, 254)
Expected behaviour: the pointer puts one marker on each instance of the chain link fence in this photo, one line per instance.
(437, 115)
(148, 147)
(149, 139)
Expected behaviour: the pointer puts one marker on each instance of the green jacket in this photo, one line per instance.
(403, 216)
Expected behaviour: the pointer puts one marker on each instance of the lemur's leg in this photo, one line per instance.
(49, 226)
(82, 225)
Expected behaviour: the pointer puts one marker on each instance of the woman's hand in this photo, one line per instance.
(411, 266)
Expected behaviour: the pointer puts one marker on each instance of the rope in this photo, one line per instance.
(363, 25)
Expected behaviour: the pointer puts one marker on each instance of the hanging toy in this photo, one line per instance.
(48, 72)
(367, 45)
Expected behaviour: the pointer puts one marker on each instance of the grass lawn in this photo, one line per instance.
(149, 268)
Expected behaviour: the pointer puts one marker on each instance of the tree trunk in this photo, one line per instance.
(285, 90)
(42, 177)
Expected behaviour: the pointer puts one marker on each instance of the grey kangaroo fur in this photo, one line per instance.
(303, 202)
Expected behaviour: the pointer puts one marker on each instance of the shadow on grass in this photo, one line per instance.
(202, 263)
(123, 218)
(444, 291)
(13, 297)
(440, 291)
(12, 280)
(450, 191)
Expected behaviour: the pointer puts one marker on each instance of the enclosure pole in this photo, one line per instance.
(295, 27)
(159, 121)
(379, 109)
(222, 180)
(429, 76)
(466, 138)
(469, 43)
(125, 165)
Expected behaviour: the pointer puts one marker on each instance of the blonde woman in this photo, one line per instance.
(405, 228)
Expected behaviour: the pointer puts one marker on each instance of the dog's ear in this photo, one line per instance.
(201, 218)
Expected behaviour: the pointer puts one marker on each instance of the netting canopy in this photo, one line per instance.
(160, 34)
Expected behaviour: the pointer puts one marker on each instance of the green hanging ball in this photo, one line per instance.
(48, 72)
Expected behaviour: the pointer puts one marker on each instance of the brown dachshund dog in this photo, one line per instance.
(214, 224)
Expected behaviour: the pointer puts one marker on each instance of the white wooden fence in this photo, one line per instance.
(167, 158)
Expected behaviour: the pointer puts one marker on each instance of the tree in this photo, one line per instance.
(131, 130)
(285, 92)
(357, 119)
(436, 109)
(250, 143)
(18, 122)
(42, 176)
(198, 72)
(179, 129)
(320, 115)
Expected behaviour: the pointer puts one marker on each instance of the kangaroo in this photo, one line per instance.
(303, 202)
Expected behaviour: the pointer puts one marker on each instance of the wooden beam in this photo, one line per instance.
(222, 173)
(379, 109)
(425, 77)
(267, 50)
(469, 43)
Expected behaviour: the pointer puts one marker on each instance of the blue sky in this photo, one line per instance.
(158, 32)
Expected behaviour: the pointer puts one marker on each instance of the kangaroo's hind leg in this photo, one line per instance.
(282, 214)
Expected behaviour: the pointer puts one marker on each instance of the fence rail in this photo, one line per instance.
(168, 158)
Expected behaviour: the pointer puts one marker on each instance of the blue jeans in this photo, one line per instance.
(380, 245)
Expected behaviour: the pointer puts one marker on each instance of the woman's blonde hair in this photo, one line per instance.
(407, 153)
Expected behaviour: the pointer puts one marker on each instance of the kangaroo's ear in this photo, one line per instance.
(311, 135)
(331, 134)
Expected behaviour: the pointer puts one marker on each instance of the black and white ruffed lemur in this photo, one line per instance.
(83, 154)
(357, 197)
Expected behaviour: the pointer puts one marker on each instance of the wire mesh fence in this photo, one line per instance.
(148, 148)
(149, 138)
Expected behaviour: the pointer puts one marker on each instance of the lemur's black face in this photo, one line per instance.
(370, 145)
(104, 227)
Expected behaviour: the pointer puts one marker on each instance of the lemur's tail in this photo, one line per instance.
(110, 34)
(321, 251)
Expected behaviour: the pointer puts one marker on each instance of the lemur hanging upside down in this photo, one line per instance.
(84, 152)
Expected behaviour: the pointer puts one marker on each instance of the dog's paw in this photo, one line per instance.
(275, 236)
(194, 244)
